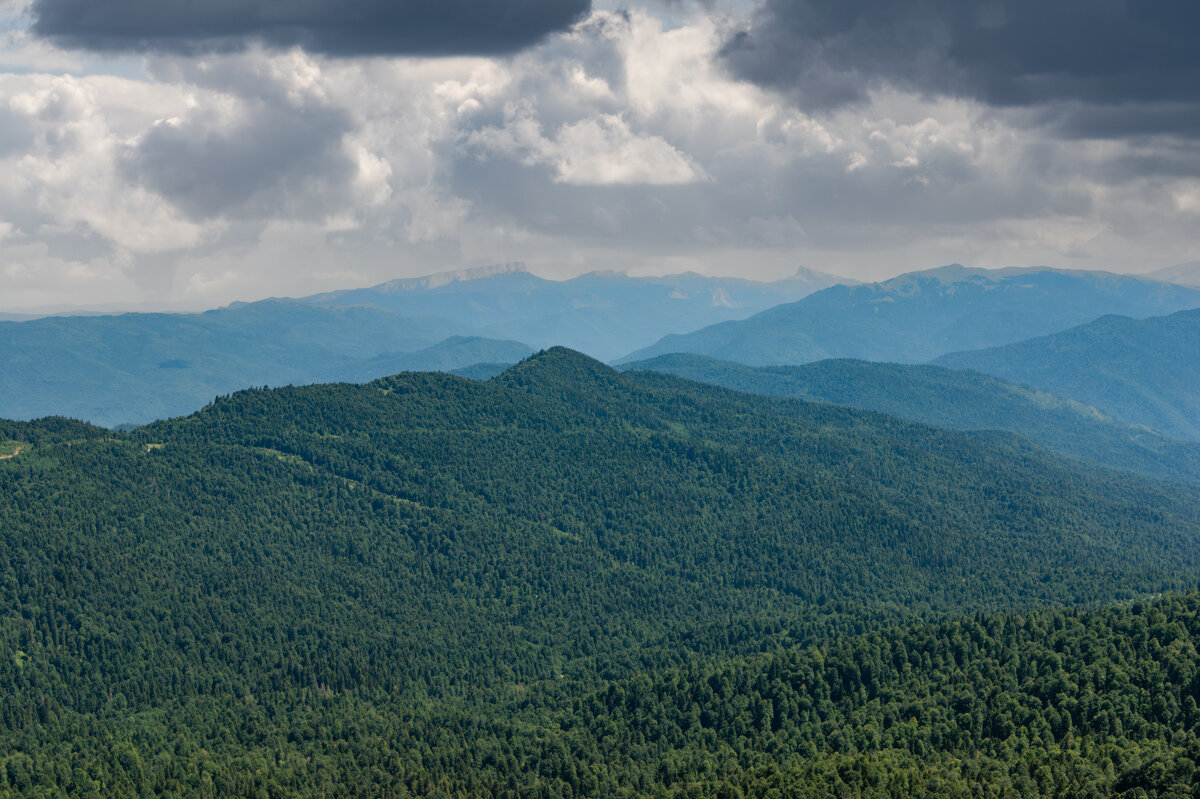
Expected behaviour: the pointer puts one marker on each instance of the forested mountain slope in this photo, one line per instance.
(255, 596)
(956, 398)
(1144, 371)
(919, 316)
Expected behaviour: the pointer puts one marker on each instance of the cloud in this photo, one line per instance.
(61, 178)
(625, 141)
(758, 173)
(899, 178)
(1137, 56)
(329, 27)
(266, 141)
(598, 151)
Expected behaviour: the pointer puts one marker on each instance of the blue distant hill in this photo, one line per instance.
(918, 316)
(1145, 371)
(134, 368)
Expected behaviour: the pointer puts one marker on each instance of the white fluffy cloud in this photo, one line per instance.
(597, 151)
(74, 226)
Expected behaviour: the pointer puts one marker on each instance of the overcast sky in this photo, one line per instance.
(170, 151)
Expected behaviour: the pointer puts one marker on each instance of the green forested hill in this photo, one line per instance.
(960, 399)
(384, 589)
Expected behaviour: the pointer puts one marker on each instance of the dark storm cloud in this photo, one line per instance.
(331, 27)
(273, 161)
(1124, 121)
(1139, 54)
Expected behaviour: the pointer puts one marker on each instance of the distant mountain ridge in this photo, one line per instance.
(952, 398)
(604, 314)
(918, 316)
(1144, 371)
(137, 367)
(439, 279)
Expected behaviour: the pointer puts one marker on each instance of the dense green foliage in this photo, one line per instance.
(1044, 704)
(956, 398)
(916, 317)
(1144, 371)
(430, 585)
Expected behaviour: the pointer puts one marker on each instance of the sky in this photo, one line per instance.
(168, 153)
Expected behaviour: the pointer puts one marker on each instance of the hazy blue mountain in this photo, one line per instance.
(955, 398)
(1145, 371)
(604, 314)
(919, 316)
(136, 367)
(140, 367)
(451, 355)
(1187, 274)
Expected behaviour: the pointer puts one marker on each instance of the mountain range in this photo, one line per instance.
(605, 314)
(918, 316)
(452, 355)
(136, 367)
